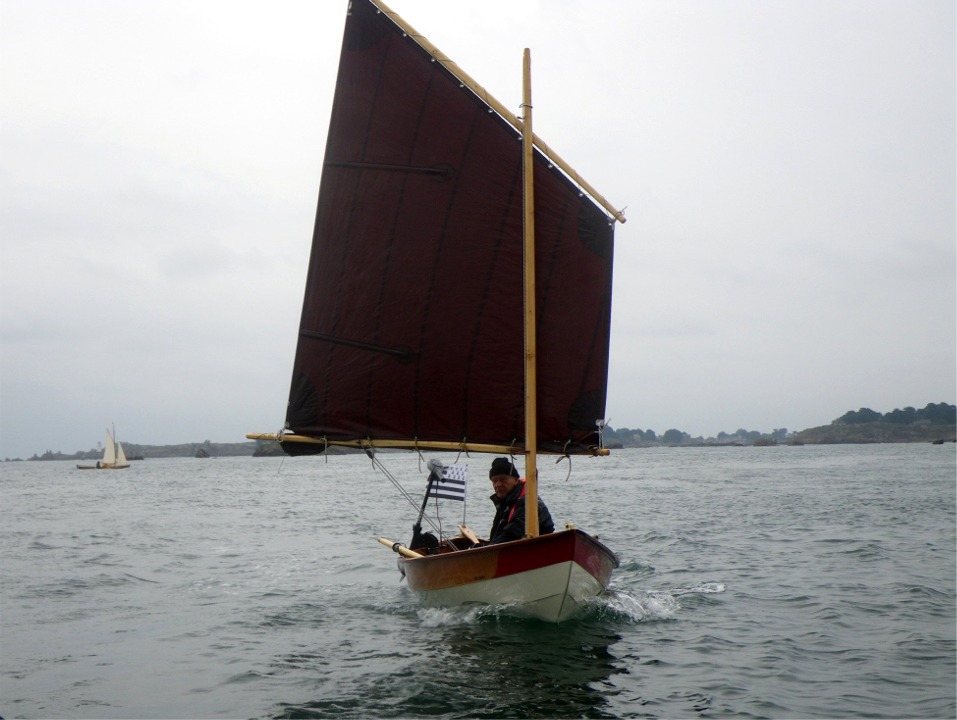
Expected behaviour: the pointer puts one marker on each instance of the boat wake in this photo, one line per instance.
(466, 615)
(652, 605)
(637, 607)
(707, 588)
(624, 606)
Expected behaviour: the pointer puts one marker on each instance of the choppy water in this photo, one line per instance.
(755, 582)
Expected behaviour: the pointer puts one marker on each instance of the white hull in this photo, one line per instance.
(553, 593)
(548, 577)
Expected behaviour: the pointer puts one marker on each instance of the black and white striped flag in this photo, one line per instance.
(451, 486)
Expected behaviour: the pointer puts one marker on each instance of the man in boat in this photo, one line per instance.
(509, 501)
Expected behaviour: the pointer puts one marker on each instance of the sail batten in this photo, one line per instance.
(402, 353)
(437, 172)
(412, 327)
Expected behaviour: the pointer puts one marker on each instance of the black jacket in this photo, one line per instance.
(509, 522)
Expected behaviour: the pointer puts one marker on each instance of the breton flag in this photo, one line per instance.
(451, 485)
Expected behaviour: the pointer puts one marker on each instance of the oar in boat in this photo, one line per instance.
(467, 533)
(399, 548)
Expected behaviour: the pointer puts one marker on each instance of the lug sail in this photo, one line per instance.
(412, 322)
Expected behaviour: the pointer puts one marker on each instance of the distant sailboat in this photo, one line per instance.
(113, 456)
(423, 326)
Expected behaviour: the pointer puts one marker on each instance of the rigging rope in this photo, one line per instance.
(370, 452)
(418, 452)
(566, 456)
(279, 440)
(462, 448)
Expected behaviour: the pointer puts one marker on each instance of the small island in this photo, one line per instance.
(935, 423)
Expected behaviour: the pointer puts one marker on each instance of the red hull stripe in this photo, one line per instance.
(497, 561)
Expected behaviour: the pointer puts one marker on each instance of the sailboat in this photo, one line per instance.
(113, 456)
(458, 298)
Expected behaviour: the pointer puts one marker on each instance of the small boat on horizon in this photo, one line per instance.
(114, 458)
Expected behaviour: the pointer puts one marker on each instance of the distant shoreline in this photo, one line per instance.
(833, 434)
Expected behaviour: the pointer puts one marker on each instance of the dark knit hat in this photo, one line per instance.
(502, 466)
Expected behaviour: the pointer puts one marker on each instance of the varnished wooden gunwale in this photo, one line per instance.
(453, 569)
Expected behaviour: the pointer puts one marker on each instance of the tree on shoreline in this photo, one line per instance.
(935, 413)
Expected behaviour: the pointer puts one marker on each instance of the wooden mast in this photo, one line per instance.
(531, 380)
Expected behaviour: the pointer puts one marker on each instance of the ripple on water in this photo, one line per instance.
(757, 585)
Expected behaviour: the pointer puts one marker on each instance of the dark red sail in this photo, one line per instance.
(411, 325)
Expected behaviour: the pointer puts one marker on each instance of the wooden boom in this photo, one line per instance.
(465, 447)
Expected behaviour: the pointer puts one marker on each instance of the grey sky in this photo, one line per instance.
(788, 169)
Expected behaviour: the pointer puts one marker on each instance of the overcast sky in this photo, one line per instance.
(788, 169)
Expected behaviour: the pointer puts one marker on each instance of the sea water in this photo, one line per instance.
(779, 582)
